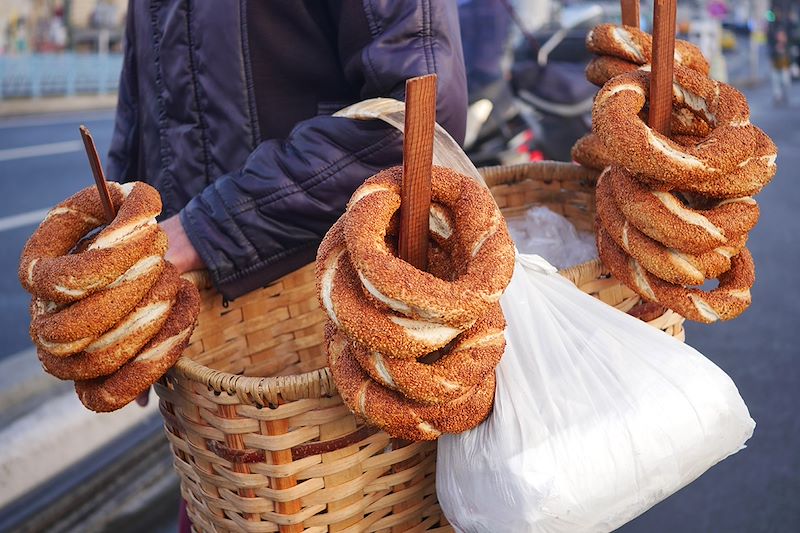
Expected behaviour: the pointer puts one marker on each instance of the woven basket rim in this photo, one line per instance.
(313, 384)
(543, 170)
(319, 383)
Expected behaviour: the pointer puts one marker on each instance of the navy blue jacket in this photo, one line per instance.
(240, 141)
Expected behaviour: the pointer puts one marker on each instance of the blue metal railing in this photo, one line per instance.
(66, 74)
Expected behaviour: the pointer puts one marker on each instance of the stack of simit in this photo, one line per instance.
(414, 352)
(623, 49)
(107, 311)
(674, 212)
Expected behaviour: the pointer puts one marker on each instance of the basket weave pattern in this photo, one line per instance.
(276, 449)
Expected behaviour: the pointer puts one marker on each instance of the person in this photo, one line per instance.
(225, 107)
(485, 32)
(778, 44)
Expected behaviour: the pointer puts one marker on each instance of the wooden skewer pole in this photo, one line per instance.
(662, 66)
(415, 203)
(97, 172)
(415, 194)
(630, 12)
(660, 114)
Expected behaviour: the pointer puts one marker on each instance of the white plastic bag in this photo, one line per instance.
(546, 233)
(597, 417)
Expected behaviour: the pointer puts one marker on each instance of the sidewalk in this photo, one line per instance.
(45, 429)
(36, 106)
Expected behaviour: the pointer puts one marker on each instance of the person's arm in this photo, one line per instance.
(267, 219)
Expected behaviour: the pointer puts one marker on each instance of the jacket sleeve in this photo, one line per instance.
(122, 162)
(256, 224)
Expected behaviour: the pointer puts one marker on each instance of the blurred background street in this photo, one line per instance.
(42, 162)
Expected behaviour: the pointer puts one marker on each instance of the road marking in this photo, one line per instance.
(68, 117)
(39, 150)
(23, 219)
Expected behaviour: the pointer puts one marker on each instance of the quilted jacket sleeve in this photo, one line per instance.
(268, 218)
(125, 138)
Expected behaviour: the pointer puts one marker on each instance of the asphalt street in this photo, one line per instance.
(42, 162)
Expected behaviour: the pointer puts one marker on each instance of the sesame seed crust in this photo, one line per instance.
(391, 411)
(47, 269)
(158, 355)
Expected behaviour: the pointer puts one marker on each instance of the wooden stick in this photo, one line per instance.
(415, 195)
(630, 12)
(97, 172)
(282, 457)
(236, 442)
(662, 67)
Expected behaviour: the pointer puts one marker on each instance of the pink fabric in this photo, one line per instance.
(184, 524)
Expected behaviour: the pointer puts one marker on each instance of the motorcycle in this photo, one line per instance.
(545, 105)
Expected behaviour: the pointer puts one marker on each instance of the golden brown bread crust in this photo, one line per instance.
(48, 271)
(616, 121)
(132, 335)
(727, 301)
(63, 331)
(631, 44)
(480, 245)
(602, 68)
(662, 216)
(159, 354)
(392, 412)
(590, 152)
(361, 318)
(674, 266)
(474, 355)
(378, 303)
(749, 176)
(674, 212)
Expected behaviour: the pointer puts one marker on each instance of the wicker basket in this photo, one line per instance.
(278, 451)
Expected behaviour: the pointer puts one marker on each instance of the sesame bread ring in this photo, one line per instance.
(684, 121)
(668, 264)
(636, 46)
(158, 355)
(65, 330)
(662, 216)
(475, 354)
(47, 269)
(392, 412)
(602, 68)
(748, 178)
(118, 345)
(480, 244)
(381, 329)
(590, 152)
(630, 141)
(727, 301)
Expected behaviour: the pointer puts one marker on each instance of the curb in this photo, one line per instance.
(44, 429)
(22, 383)
(127, 486)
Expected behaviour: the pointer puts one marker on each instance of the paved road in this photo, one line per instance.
(41, 163)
